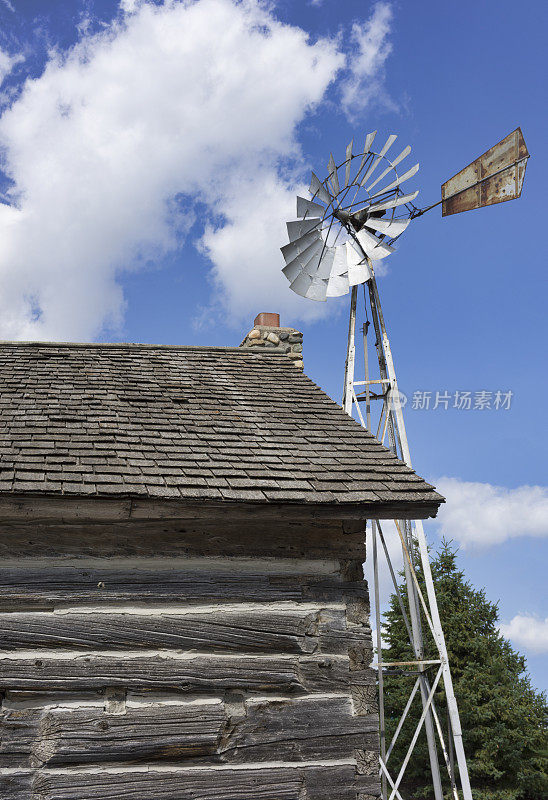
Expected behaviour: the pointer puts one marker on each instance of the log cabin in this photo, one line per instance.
(183, 612)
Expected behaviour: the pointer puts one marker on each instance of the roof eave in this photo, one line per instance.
(35, 507)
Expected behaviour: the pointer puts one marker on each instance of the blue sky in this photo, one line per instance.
(150, 157)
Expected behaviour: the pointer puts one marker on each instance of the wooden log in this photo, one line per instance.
(43, 584)
(302, 782)
(18, 728)
(169, 733)
(247, 628)
(20, 718)
(303, 729)
(192, 673)
(172, 539)
(16, 786)
(337, 636)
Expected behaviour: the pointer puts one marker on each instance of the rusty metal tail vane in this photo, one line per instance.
(494, 177)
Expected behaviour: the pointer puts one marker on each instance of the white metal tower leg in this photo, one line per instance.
(398, 437)
(379, 652)
(348, 397)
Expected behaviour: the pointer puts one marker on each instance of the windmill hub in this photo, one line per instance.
(357, 219)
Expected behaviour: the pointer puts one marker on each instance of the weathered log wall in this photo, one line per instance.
(184, 662)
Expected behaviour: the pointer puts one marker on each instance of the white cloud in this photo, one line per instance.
(480, 515)
(7, 63)
(129, 6)
(245, 249)
(112, 147)
(527, 632)
(372, 47)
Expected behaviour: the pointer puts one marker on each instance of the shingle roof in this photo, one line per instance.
(220, 424)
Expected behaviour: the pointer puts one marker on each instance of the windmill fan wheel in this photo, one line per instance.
(352, 218)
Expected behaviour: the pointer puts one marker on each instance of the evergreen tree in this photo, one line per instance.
(503, 717)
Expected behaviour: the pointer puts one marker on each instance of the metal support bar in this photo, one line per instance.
(368, 383)
(385, 772)
(421, 662)
(350, 355)
(402, 719)
(365, 329)
(395, 584)
(380, 678)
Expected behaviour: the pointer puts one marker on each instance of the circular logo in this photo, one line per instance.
(395, 398)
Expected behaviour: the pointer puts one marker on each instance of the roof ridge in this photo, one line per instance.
(143, 345)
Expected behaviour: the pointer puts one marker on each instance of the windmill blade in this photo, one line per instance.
(368, 241)
(333, 178)
(315, 261)
(348, 163)
(368, 142)
(306, 208)
(339, 266)
(327, 257)
(313, 264)
(338, 286)
(404, 153)
(358, 271)
(292, 250)
(366, 148)
(292, 269)
(399, 181)
(398, 201)
(387, 145)
(317, 290)
(301, 284)
(374, 248)
(390, 227)
(317, 189)
(299, 227)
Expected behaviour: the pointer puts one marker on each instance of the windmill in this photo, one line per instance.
(351, 221)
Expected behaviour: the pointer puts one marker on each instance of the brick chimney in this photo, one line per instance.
(267, 332)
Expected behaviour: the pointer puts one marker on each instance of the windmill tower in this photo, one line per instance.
(350, 223)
